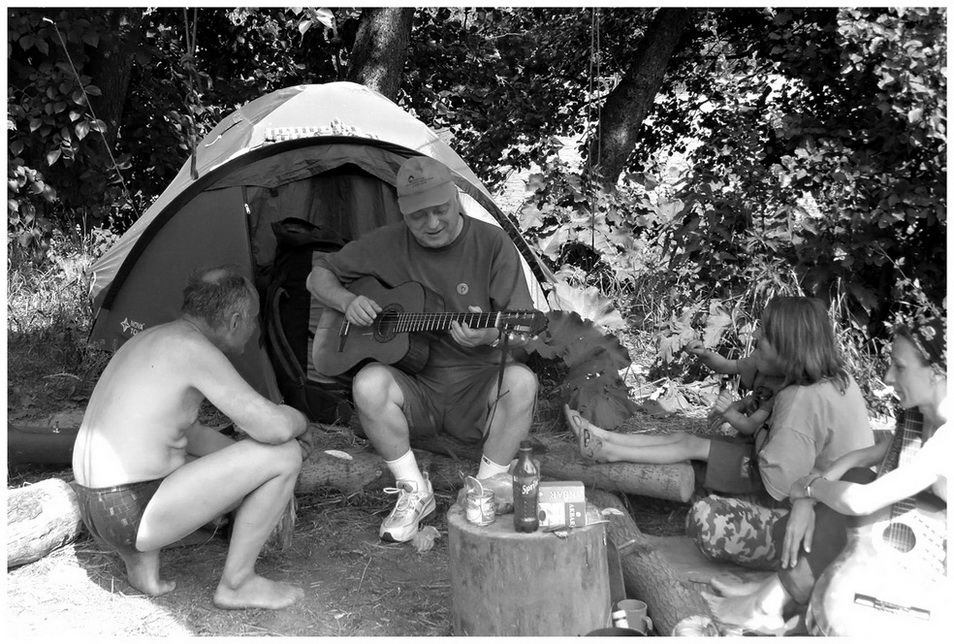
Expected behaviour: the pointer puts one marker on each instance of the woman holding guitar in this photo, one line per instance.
(884, 571)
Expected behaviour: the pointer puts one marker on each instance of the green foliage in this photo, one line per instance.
(819, 143)
(588, 362)
(591, 235)
(49, 123)
(502, 81)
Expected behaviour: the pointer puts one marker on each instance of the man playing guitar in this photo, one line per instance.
(872, 574)
(473, 266)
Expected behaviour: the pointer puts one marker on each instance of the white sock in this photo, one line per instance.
(405, 469)
(488, 468)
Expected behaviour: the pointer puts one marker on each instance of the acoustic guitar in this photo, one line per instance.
(891, 578)
(401, 333)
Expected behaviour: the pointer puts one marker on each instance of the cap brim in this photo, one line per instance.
(427, 199)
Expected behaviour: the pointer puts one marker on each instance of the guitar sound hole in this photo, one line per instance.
(900, 537)
(385, 323)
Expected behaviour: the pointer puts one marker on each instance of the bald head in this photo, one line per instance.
(212, 294)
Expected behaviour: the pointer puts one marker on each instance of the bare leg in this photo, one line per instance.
(685, 447)
(577, 424)
(759, 610)
(379, 402)
(258, 476)
(514, 414)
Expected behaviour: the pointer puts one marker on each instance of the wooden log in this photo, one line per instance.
(671, 482)
(646, 573)
(353, 470)
(505, 583)
(41, 517)
(49, 445)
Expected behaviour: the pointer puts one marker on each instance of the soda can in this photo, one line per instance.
(479, 507)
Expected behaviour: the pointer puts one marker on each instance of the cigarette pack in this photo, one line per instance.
(561, 504)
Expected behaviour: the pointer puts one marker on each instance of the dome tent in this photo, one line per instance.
(327, 154)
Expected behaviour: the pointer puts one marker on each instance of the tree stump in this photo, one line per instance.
(646, 573)
(508, 583)
(41, 517)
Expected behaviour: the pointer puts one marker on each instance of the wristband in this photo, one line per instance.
(808, 488)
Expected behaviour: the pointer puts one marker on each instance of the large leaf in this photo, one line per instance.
(588, 302)
(601, 401)
(592, 384)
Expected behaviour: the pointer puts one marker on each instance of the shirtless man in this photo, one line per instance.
(150, 473)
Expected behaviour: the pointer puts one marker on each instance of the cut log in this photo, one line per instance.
(353, 470)
(646, 573)
(48, 445)
(674, 482)
(41, 517)
(507, 583)
(358, 469)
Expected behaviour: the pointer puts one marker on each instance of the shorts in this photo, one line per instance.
(449, 399)
(113, 514)
(732, 467)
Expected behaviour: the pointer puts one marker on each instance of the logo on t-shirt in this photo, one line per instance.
(462, 288)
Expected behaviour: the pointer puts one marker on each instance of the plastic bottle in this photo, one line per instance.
(526, 485)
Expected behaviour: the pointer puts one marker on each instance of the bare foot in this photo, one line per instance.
(756, 612)
(142, 571)
(580, 426)
(592, 446)
(257, 592)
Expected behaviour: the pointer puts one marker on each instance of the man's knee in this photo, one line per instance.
(372, 386)
(521, 383)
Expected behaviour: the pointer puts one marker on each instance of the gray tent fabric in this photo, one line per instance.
(327, 154)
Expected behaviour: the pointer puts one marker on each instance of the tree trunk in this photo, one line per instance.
(632, 100)
(111, 67)
(41, 517)
(380, 49)
(647, 574)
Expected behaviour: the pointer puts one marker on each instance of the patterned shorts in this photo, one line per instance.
(113, 514)
(738, 530)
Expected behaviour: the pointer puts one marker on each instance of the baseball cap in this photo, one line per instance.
(423, 182)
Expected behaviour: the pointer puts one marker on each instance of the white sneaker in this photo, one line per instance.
(412, 506)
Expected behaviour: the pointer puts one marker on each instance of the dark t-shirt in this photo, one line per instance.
(479, 268)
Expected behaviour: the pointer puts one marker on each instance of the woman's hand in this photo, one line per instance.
(799, 531)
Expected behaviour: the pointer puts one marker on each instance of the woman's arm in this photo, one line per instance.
(865, 457)
(857, 499)
(921, 472)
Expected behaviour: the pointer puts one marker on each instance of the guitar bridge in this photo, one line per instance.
(891, 607)
(343, 335)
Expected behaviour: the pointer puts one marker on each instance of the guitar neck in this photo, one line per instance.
(905, 444)
(441, 321)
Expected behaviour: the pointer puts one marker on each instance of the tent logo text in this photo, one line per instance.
(131, 326)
